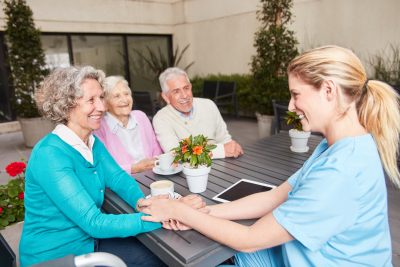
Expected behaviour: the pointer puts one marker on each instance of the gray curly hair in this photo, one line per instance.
(61, 90)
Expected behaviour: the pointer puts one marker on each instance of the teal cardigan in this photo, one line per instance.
(63, 197)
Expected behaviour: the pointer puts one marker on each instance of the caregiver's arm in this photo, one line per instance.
(253, 206)
(265, 233)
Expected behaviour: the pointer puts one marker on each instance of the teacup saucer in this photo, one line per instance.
(176, 195)
(158, 170)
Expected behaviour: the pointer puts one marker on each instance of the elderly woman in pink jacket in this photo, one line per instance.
(126, 133)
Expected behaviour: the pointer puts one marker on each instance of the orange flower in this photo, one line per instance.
(175, 164)
(211, 154)
(197, 150)
(187, 139)
(208, 144)
(184, 150)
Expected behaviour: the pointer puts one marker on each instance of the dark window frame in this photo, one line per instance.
(125, 36)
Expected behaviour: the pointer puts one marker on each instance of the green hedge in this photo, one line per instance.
(243, 87)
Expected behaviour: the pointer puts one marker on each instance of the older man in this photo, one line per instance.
(185, 116)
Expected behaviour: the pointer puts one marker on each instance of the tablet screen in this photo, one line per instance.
(242, 189)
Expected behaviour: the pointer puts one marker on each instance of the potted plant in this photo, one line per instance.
(12, 206)
(276, 47)
(26, 59)
(298, 136)
(195, 155)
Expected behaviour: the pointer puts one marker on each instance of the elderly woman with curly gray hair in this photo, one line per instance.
(66, 178)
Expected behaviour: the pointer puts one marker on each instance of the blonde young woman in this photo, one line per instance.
(333, 211)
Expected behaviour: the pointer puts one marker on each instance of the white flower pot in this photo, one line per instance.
(264, 124)
(197, 179)
(12, 234)
(34, 129)
(299, 140)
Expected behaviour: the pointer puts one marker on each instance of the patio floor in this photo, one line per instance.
(243, 131)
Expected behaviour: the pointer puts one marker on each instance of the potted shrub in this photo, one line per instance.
(276, 47)
(26, 59)
(195, 155)
(12, 206)
(298, 136)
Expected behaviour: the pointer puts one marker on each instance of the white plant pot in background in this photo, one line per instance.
(299, 140)
(264, 124)
(197, 178)
(34, 129)
(12, 234)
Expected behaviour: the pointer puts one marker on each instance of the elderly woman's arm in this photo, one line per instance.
(55, 170)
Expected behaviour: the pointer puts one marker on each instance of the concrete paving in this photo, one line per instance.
(243, 131)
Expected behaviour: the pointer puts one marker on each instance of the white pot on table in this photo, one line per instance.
(299, 140)
(196, 178)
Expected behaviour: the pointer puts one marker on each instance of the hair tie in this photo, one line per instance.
(365, 86)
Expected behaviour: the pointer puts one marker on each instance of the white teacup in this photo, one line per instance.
(165, 162)
(163, 187)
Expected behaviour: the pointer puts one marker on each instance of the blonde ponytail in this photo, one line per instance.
(377, 103)
(378, 112)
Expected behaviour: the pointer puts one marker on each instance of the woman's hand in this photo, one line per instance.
(193, 201)
(160, 210)
(177, 225)
(139, 205)
(143, 165)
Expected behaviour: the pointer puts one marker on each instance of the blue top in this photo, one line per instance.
(63, 197)
(337, 211)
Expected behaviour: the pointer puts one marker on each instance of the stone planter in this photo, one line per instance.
(196, 178)
(12, 234)
(299, 140)
(34, 129)
(264, 124)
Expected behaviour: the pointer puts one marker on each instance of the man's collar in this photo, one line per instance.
(183, 115)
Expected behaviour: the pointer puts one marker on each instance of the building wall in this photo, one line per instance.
(221, 32)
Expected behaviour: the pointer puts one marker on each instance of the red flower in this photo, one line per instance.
(15, 168)
(21, 195)
(1, 209)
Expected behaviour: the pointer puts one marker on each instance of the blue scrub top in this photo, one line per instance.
(337, 210)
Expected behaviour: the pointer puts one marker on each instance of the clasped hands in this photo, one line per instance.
(192, 201)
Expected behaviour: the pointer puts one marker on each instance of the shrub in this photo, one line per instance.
(243, 87)
(386, 65)
(276, 47)
(25, 57)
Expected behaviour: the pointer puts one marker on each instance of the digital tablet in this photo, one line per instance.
(243, 188)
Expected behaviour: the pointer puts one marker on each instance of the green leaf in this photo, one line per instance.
(21, 216)
(13, 191)
(185, 156)
(3, 203)
(4, 222)
(10, 217)
(14, 201)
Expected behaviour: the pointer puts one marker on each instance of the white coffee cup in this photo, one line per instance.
(163, 187)
(165, 162)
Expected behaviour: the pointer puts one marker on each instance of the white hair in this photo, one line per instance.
(109, 84)
(169, 74)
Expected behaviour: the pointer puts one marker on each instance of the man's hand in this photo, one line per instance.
(193, 201)
(232, 149)
(143, 165)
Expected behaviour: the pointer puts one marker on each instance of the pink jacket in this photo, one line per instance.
(151, 147)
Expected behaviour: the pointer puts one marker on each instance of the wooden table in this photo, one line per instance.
(267, 160)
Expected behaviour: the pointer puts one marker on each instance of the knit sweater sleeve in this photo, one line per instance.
(57, 174)
(165, 133)
(222, 135)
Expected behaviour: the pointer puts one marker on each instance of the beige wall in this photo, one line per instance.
(221, 32)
